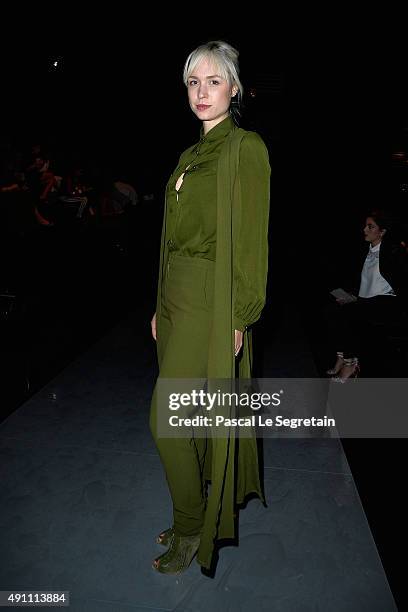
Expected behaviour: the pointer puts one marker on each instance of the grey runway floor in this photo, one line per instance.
(84, 495)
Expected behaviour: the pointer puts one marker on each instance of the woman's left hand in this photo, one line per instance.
(238, 341)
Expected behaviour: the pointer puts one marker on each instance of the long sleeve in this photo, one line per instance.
(251, 231)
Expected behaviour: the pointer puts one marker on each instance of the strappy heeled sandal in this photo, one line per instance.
(179, 555)
(353, 372)
(165, 537)
(338, 365)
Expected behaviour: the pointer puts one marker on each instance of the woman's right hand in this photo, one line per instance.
(343, 301)
(153, 325)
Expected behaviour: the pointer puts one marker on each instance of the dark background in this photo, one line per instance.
(331, 106)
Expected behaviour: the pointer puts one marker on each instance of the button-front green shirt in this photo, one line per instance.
(192, 211)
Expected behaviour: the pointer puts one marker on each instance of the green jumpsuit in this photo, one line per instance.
(212, 280)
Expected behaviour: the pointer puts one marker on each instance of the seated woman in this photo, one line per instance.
(381, 296)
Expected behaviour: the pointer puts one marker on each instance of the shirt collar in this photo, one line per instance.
(219, 131)
(376, 248)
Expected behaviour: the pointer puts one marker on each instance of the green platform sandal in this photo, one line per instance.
(178, 557)
(165, 537)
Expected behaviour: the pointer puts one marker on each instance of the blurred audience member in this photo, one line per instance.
(377, 296)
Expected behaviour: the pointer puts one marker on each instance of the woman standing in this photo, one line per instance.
(211, 289)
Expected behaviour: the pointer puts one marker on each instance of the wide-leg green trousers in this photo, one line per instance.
(183, 333)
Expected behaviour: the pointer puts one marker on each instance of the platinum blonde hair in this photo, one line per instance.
(225, 59)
